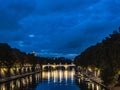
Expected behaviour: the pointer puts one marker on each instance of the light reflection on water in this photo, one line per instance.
(58, 80)
(25, 83)
(50, 80)
(89, 85)
(58, 76)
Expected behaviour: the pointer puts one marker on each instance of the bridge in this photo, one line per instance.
(54, 66)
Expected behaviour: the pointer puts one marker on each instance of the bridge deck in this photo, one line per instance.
(59, 65)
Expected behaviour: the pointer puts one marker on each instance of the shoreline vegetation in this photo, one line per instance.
(102, 61)
(13, 62)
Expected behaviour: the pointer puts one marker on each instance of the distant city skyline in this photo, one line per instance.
(57, 28)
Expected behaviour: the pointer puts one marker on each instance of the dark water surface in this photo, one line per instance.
(58, 80)
(50, 80)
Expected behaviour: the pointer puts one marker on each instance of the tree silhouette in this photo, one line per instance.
(104, 55)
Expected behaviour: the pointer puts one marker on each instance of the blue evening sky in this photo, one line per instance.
(57, 27)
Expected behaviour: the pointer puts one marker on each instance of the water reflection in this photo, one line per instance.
(33, 82)
(58, 76)
(51, 80)
(25, 83)
(58, 80)
(88, 85)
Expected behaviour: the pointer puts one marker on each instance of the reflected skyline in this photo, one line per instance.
(58, 75)
(51, 80)
(25, 83)
(88, 85)
(58, 80)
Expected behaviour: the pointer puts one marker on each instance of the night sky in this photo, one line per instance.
(57, 27)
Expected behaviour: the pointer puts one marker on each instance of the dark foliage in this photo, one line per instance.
(12, 57)
(104, 55)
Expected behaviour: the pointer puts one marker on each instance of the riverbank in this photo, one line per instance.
(93, 79)
(98, 81)
(7, 79)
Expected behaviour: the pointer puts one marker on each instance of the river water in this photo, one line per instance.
(50, 80)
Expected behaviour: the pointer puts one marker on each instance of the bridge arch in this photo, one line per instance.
(55, 66)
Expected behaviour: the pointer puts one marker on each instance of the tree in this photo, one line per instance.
(104, 55)
(6, 57)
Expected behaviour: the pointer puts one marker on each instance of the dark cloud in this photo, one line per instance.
(57, 27)
(12, 11)
(48, 6)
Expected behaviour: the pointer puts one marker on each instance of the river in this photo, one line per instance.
(50, 80)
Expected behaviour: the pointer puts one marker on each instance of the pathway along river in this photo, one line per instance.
(50, 80)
